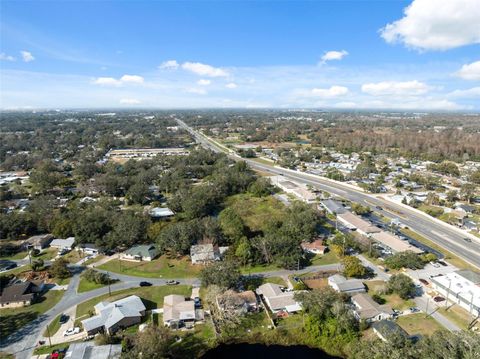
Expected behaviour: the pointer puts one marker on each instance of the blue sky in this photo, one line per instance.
(287, 54)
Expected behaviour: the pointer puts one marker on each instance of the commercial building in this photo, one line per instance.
(394, 243)
(356, 223)
(461, 287)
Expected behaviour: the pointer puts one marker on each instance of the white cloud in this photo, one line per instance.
(132, 79)
(125, 79)
(204, 69)
(169, 65)
(204, 82)
(333, 55)
(5, 57)
(27, 56)
(129, 101)
(107, 81)
(436, 25)
(231, 85)
(395, 88)
(333, 91)
(197, 91)
(469, 93)
(470, 71)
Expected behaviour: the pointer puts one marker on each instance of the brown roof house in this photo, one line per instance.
(20, 294)
(315, 247)
(179, 312)
(39, 242)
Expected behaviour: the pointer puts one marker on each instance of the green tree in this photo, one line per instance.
(224, 274)
(153, 342)
(59, 269)
(401, 285)
(352, 267)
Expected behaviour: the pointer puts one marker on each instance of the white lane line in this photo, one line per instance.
(448, 239)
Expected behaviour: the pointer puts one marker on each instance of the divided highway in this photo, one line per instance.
(439, 233)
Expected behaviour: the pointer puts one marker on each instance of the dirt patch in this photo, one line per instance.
(316, 283)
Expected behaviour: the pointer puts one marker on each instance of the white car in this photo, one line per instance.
(71, 331)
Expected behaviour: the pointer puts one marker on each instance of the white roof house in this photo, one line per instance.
(278, 300)
(177, 311)
(161, 212)
(87, 350)
(113, 316)
(63, 243)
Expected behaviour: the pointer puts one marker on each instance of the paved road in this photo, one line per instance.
(441, 233)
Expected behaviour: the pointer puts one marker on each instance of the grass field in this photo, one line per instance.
(323, 259)
(162, 267)
(13, 319)
(259, 268)
(94, 260)
(86, 285)
(451, 258)
(152, 298)
(417, 324)
(73, 256)
(53, 327)
(49, 349)
(19, 255)
(257, 212)
(457, 315)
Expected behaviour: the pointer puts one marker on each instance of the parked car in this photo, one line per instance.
(71, 331)
(172, 282)
(438, 299)
(442, 263)
(145, 284)
(198, 302)
(414, 310)
(423, 281)
(379, 208)
(64, 318)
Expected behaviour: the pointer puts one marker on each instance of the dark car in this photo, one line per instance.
(63, 318)
(442, 263)
(438, 299)
(423, 281)
(198, 302)
(145, 284)
(379, 208)
(467, 240)
(172, 282)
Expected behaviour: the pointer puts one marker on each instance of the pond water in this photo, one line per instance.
(251, 351)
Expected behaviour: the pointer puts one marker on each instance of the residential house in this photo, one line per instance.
(367, 309)
(385, 329)
(344, 285)
(110, 317)
(179, 312)
(277, 299)
(238, 303)
(88, 350)
(63, 244)
(160, 212)
(38, 242)
(144, 252)
(20, 294)
(205, 253)
(315, 247)
(88, 249)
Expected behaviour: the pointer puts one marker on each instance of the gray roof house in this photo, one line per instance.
(366, 308)
(333, 207)
(39, 242)
(63, 243)
(87, 350)
(204, 253)
(344, 285)
(278, 300)
(160, 212)
(144, 252)
(116, 315)
(384, 329)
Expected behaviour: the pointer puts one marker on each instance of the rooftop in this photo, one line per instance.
(394, 242)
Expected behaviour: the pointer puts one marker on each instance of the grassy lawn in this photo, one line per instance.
(323, 259)
(451, 258)
(417, 324)
(15, 318)
(375, 286)
(73, 256)
(398, 303)
(259, 268)
(275, 280)
(152, 298)
(86, 285)
(53, 327)
(47, 254)
(6, 356)
(457, 315)
(162, 267)
(48, 349)
(257, 212)
(19, 255)
(94, 260)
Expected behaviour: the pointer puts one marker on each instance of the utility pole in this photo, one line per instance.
(48, 333)
(109, 281)
(426, 309)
